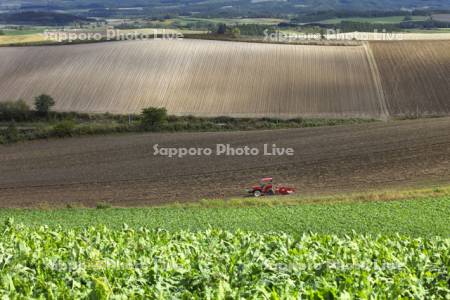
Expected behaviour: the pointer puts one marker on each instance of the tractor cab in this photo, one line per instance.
(265, 187)
(266, 184)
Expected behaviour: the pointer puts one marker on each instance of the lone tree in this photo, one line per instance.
(43, 104)
(153, 117)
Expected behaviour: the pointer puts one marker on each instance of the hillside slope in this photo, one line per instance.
(199, 77)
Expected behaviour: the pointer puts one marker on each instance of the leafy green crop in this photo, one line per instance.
(102, 263)
(419, 218)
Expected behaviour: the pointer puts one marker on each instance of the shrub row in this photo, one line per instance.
(65, 124)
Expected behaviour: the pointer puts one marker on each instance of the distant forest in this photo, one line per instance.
(305, 10)
(40, 18)
(296, 12)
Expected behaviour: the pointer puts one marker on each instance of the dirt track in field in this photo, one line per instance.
(122, 169)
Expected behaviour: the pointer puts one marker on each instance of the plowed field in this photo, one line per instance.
(415, 76)
(212, 78)
(198, 77)
(123, 170)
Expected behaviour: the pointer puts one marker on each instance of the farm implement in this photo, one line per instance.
(267, 188)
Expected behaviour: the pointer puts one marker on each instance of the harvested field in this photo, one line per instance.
(123, 170)
(442, 17)
(415, 76)
(395, 36)
(198, 77)
(18, 39)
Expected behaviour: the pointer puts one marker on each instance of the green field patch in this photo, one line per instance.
(380, 20)
(421, 217)
(231, 21)
(22, 31)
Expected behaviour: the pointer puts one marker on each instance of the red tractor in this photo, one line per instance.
(266, 187)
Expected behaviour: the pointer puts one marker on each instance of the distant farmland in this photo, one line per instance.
(442, 17)
(211, 78)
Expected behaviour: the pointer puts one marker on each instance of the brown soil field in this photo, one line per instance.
(212, 78)
(441, 17)
(198, 77)
(122, 169)
(415, 76)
